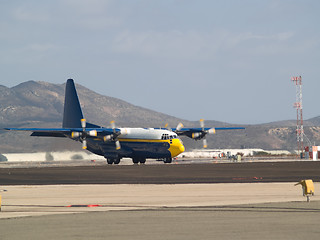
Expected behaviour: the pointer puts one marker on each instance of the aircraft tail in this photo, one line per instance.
(72, 114)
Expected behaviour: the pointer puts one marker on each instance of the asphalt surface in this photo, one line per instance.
(295, 219)
(164, 173)
(286, 221)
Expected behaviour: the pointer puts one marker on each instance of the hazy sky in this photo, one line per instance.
(218, 60)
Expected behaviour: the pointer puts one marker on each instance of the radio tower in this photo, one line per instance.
(298, 106)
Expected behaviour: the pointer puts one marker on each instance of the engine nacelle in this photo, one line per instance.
(92, 133)
(198, 135)
(108, 138)
(76, 134)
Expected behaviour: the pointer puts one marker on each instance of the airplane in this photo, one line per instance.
(116, 143)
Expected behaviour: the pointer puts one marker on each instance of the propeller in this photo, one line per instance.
(83, 135)
(205, 132)
(113, 136)
(84, 141)
(196, 134)
(178, 128)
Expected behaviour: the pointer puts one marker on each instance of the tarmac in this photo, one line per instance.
(160, 173)
(203, 201)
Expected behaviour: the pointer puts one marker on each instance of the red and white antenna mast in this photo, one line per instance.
(298, 106)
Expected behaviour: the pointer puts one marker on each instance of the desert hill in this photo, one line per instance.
(40, 104)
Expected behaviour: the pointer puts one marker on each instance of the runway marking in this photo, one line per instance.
(90, 205)
(248, 178)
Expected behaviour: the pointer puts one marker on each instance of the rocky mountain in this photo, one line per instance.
(40, 104)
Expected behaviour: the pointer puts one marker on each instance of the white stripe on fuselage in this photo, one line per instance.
(144, 133)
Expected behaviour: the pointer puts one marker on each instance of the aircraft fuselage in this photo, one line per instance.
(139, 144)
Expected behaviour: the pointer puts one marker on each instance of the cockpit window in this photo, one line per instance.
(167, 136)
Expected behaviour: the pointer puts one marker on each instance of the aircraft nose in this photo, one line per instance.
(181, 148)
(176, 147)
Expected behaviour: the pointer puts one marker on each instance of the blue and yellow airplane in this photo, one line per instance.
(115, 143)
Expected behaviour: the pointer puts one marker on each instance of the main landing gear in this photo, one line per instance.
(113, 160)
(136, 160)
(140, 160)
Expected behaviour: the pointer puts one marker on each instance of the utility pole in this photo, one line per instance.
(298, 106)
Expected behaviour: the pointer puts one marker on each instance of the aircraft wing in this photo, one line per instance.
(186, 131)
(200, 133)
(206, 129)
(64, 132)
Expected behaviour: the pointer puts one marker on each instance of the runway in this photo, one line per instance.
(193, 201)
(163, 173)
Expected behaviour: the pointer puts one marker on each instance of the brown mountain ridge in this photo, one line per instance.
(40, 104)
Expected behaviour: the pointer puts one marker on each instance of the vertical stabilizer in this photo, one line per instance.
(72, 114)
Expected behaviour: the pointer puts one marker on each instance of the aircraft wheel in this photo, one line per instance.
(110, 160)
(116, 161)
(135, 160)
(142, 160)
(167, 160)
